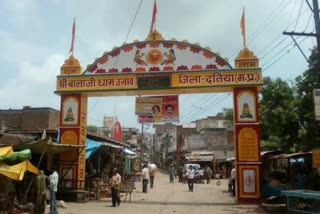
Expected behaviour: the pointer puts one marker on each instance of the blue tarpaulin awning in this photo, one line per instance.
(128, 151)
(91, 147)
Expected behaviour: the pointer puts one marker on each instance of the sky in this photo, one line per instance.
(35, 39)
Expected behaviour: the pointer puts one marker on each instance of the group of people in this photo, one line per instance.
(148, 173)
(191, 174)
(41, 185)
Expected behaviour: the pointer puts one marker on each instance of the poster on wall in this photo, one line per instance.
(157, 109)
(316, 100)
(70, 111)
(249, 181)
(246, 106)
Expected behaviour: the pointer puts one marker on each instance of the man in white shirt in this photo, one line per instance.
(233, 181)
(191, 173)
(115, 183)
(53, 179)
(145, 178)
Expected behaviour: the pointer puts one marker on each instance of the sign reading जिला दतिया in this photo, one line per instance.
(157, 109)
(178, 80)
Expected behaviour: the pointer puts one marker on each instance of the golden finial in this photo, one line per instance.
(218, 53)
(134, 41)
(154, 36)
(185, 41)
(71, 66)
(208, 48)
(197, 43)
(226, 59)
(173, 39)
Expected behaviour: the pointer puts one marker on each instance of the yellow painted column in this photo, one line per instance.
(247, 136)
(73, 123)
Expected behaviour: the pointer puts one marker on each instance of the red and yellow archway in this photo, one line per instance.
(159, 66)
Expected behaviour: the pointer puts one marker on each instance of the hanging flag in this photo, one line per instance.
(243, 29)
(154, 14)
(73, 34)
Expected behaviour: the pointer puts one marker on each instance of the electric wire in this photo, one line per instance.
(273, 14)
(308, 22)
(205, 108)
(203, 102)
(274, 47)
(292, 9)
(298, 15)
(116, 61)
(288, 51)
(285, 47)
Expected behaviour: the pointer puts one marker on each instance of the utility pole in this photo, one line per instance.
(315, 10)
(142, 137)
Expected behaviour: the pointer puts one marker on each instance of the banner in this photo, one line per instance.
(157, 109)
(316, 158)
(316, 99)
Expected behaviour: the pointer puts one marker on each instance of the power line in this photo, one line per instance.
(199, 104)
(273, 14)
(288, 51)
(286, 46)
(206, 108)
(129, 30)
(298, 15)
(274, 47)
(291, 13)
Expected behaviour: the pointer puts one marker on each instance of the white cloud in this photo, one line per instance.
(33, 85)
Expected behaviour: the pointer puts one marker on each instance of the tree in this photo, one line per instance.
(278, 115)
(92, 129)
(228, 113)
(309, 133)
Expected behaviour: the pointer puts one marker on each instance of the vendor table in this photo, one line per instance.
(302, 201)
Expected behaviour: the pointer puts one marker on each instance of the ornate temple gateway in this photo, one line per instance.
(160, 66)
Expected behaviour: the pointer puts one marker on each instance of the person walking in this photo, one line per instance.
(180, 173)
(172, 173)
(39, 206)
(233, 181)
(191, 173)
(115, 183)
(152, 169)
(145, 178)
(53, 180)
(208, 173)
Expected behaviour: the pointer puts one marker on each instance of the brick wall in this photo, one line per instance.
(10, 119)
(29, 119)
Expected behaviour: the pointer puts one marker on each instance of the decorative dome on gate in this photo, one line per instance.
(157, 55)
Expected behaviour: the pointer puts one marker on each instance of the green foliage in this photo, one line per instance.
(309, 133)
(92, 129)
(278, 115)
(287, 113)
(228, 113)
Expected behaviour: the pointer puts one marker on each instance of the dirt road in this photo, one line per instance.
(167, 198)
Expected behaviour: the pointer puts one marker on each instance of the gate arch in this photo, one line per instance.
(159, 66)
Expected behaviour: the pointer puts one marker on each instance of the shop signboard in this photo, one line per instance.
(157, 109)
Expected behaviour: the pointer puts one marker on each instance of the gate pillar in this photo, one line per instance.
(247, 136)
(73, 130)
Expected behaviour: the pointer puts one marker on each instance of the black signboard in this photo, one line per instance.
(153, 81)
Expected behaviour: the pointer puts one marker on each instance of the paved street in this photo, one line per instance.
(167, 198)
